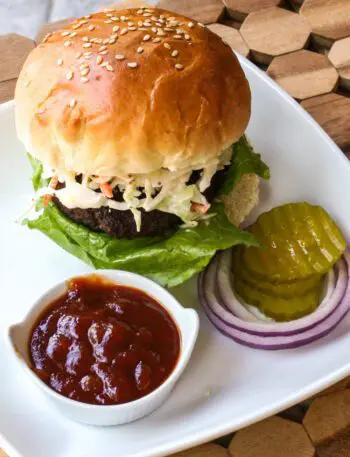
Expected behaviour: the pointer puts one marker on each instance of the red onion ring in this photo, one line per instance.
(336, 285)
(277, 340)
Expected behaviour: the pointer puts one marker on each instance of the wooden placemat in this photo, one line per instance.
(305, 46)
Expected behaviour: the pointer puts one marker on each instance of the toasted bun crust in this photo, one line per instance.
(77, 112)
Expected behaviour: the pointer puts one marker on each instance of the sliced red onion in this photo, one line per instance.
(334, 291)
(277, 340)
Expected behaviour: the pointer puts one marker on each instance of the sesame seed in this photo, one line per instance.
(139, 50)
(119, 57)
(105, 41)
(112, 40)
(83, 22)
(132, 28)
(85, 71)
(187, 37)
(160, 24)
(167, 45)
(109, 14)
(147, 10)
(69, 75)
(87, 45)
(73, 34)
(146, 37)
(72, 103)
(76, 26)
(141, 28)
(177, 37)
(67, 43)
(84, 79)
(108, 21)
(109, 67)
(102, 48)
(123, 31)
(87, 54)
(103, 53)
(162, 16)
(78, 55)
(65, 33)
(147, 24)
(161, 33)
(200, 24)
(86, 38)
(123, 18)
(156, 40)
(99, 60)
(139, 11)
(132, 64)
(154, 29)
(178, 66)
(147, 14)
(154, 18)
(130, 23)
(59, 62)
(98, 40)
(179, 31)
(116, 28)
(140, 23)
(115, 18)
(87, 16)
(173, 24)
(191, 25)
(168, 29)
(175, 53)
(91, 28)
(172, 18)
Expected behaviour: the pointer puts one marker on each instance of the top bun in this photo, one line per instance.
(131, 91)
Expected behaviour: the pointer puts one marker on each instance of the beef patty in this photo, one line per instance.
(121, 224)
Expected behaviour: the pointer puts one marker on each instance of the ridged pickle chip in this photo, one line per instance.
(298, 241)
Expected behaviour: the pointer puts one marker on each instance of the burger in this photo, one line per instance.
(134, 124)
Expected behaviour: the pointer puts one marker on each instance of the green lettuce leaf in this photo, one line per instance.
(244, 160)
(169, 260)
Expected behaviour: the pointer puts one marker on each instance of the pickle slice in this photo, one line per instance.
(282, 289)
(298, 241)
(279, 308)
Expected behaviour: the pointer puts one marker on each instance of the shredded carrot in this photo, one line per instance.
(199, 208)
(54, 182)
(47, 199)
(106, 189)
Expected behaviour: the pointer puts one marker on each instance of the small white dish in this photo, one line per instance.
(187, 322)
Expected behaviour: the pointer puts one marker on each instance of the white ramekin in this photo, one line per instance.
(187, 322)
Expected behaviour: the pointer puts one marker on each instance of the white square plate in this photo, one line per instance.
(226, 386)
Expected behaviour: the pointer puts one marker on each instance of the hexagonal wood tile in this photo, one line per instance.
(329, 19)
(332, 112)
(273, 437)
(304, 74)
(239, 9)
(204, 11)
(339, 55)
(206, 450)
(328, 424)
(15, 49)
(232, 37)
(274, 31)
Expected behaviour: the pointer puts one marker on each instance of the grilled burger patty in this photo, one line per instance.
(121, 224)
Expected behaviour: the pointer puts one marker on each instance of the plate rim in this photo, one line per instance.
(206, 435)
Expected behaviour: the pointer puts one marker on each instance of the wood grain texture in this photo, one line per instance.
(328, 18)
(49, 28)
(274, 31)
(14, 50)
(204, 11)
(206, 450)
(239, 9)
(304, 74)
(332, 112)
(232, 37)
(328, 424)
(273, 437)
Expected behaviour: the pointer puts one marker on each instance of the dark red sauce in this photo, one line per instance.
(104, 344)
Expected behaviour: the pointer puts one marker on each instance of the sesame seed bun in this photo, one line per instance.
(112, 95)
